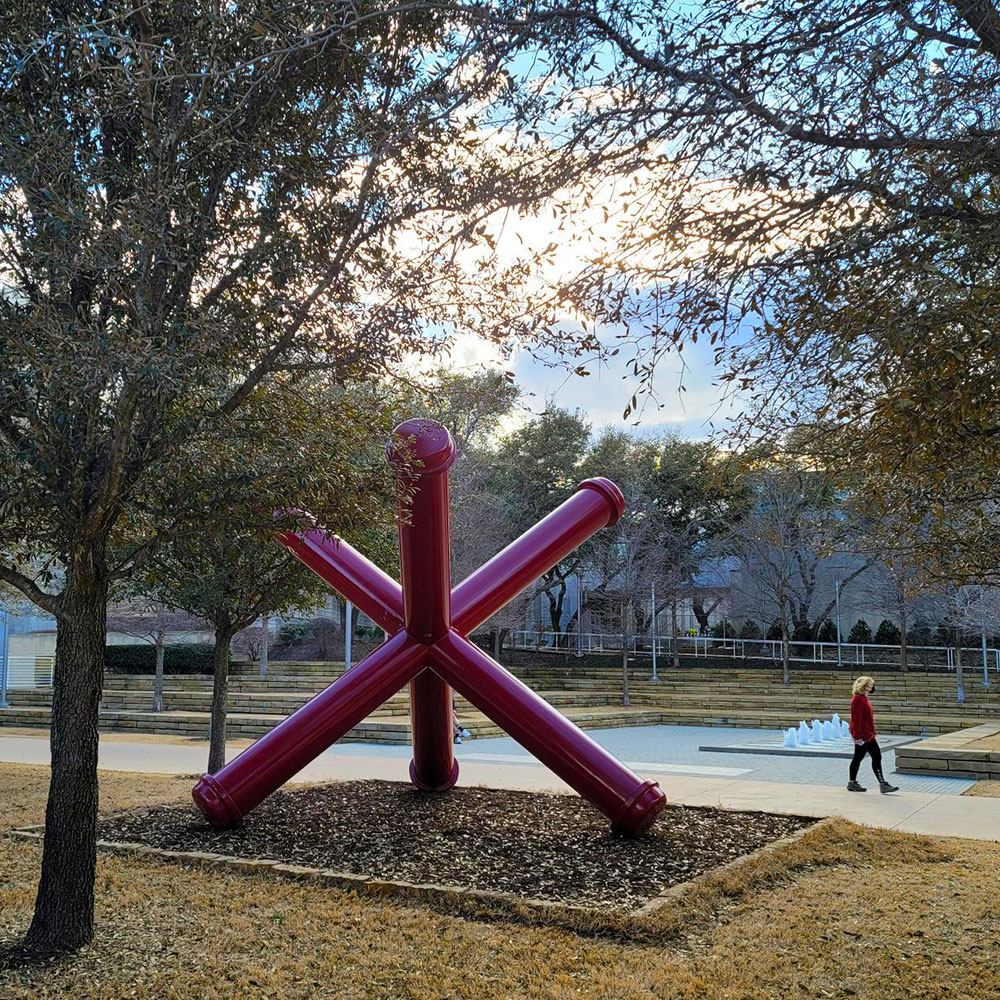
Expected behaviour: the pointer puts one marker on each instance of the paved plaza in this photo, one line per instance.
(658, 750)
(805, 786)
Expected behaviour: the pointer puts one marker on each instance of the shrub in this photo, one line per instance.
(827, 632)
(861, 633)
(750, 630)
(887, 634)
(921, 634)
(178, 658)
(774, 631)
(722, 630)
(291, 633)
(801, 633)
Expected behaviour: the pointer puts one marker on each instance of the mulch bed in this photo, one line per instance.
(554, 847)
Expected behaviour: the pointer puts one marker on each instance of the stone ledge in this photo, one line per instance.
(954, 755)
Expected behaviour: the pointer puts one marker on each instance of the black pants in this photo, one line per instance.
(872, 749)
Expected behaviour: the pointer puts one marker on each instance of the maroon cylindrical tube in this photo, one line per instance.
(225, 797)
(353, 576)
(422, 451)
(631, 803)
(596, 504)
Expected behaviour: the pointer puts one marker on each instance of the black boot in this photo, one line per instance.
(853, 786)
(884, 787)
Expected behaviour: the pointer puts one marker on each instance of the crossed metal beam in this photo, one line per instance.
(428, 623)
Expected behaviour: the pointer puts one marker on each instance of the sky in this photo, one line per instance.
(690, 402)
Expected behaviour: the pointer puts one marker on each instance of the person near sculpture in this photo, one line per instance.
(459, 732)
(862, 728)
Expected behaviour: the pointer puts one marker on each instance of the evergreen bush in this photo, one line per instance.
(861, 633)
(178, 658)
(887, 634)
(827, 632)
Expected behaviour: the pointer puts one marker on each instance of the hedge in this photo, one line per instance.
(179, 658)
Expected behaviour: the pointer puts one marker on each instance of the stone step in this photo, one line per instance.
(395, 728)
(271, 702)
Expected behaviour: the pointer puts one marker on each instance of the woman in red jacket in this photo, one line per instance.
(862, 728)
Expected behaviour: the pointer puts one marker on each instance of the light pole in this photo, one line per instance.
(348, 635)
(265, 632)
(986, 662)
(4, 656)
(840, 657)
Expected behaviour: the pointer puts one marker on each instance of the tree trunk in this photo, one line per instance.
(158, 673)
(674, 651)
(220, 693)
(786, 677)
(556, 606)
(64, 907)
(959, 676)
(496, 644)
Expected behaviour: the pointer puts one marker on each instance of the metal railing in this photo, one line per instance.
(847, 653)
(29, 671)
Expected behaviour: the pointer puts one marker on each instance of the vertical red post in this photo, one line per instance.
(422, 451)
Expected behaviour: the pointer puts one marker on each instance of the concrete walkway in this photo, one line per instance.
(936, 814)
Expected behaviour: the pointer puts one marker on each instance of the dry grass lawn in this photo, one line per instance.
(127, 736)
(987, 789)
(845, 912)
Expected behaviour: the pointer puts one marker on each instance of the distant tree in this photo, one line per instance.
(628, 560)
(319, 451)
(230, 579)
(827, 632)
(533, 469)
(976, 610)
(825, 212)
(781, 542)
(153, 621)
(887, 634)
(860, 632)
(896, 585)
(722, 630)
(922, 633)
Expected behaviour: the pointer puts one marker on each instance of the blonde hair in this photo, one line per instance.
(862, 683)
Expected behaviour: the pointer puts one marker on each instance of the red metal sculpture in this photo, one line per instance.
(427, 622)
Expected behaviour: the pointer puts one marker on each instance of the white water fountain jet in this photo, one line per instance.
(805, 737)
(790, 739)
(817, 731)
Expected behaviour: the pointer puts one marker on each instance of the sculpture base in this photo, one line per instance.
(214, 803)
(442, 787)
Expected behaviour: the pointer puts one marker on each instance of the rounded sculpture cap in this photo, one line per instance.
(641, 810)
(214, 803)
(610, 492)
(426, 441)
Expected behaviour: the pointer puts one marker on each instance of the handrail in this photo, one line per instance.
(804, 651)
